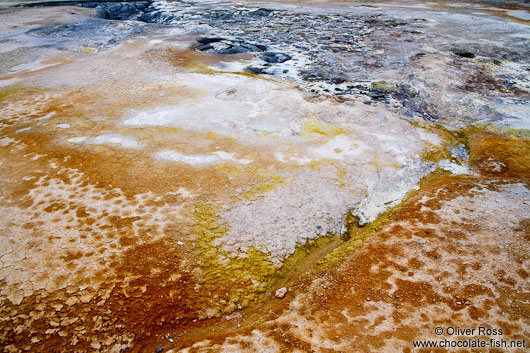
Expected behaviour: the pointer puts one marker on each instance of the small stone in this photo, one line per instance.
(180, 243)
(280, 293)
(159, 349)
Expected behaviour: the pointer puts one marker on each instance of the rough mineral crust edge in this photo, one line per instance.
(389, 193)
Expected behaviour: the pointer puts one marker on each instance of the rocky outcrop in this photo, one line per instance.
(111, 10)
(217, 45)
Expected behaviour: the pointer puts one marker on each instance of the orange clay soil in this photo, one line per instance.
(99, 242)
(115, 276)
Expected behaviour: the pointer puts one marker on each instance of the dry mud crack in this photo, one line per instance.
(166, 167)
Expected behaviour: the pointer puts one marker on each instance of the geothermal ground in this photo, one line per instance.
(211, 176)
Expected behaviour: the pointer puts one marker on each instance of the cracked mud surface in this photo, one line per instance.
(167, 166)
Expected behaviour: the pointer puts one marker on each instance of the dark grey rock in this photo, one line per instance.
(464, 53)
(230, 50)
(315, 75)
(236, 49)
(223, 46)
(260, 12)
(149, 17)
(274, 58)
(205, 47)
(208, 40)
(102, 13)
(256, 69)
(126, 8)
(114, 7)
